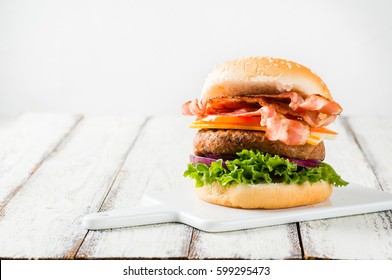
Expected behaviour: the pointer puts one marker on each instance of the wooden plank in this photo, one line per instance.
(374, 135)
(356, 237)
(156, 162)
(43, 220)
(277, 242)
(24, 143)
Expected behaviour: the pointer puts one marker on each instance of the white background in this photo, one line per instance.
(148, 57)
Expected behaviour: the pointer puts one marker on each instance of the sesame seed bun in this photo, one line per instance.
(255, 75)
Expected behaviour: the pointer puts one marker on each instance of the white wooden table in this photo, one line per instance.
(55, 168)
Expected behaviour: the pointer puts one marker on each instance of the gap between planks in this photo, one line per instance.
(351, 132)
(78, 119)
(160, 170)
(346, 125)
(69, 184)
(196, 232)
(73, 253)
(366, 236)
(301, 245)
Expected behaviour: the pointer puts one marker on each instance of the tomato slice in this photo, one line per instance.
(246, 121)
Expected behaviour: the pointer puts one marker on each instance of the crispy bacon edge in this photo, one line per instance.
(287, 116)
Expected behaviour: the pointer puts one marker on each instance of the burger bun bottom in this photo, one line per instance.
(266, 196)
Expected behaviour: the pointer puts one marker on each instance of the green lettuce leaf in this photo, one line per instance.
(255, 167)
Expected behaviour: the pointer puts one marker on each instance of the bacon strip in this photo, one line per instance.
(290, 132)
(287, 116)
(316, 102)
(185, 109)
(309, 110)
(192, 108)
(294, 97)
(326, 121)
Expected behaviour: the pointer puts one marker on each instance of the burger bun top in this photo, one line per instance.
(255, 75)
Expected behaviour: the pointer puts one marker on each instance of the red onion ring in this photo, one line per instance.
(208, 159)
(305, 163)
(224, 157)
(194, 159)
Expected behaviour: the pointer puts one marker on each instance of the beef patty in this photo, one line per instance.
(229, 142)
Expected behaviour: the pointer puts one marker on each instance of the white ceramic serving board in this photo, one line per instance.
(185, 207)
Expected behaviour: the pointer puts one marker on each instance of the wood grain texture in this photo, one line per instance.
(43, 220)
(374, 135)
(355, 237)
(156, 162)
(105, 163)
(24, 143)
(276, 242)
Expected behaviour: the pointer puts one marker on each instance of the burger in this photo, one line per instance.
(261, 125)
